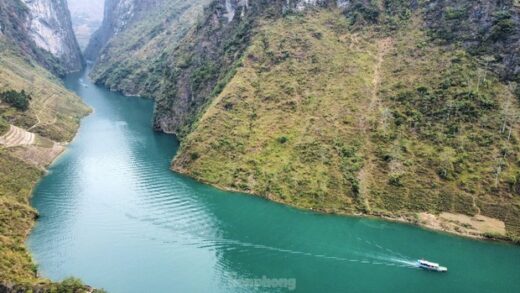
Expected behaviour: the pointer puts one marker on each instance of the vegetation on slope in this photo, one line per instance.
(54, 112)
(18, 100)
(16, 218)
(378, 107)
(488, 29)
(132, 61)
(203, 63)
(4, 126)
(362, 113)
(35, 100)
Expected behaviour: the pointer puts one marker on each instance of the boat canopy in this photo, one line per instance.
(427, 263)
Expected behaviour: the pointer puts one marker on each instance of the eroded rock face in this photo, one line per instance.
(490, 29)
(43, 30)
(120, 14)
(50, 28)
(117, 15)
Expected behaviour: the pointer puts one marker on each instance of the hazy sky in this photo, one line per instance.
(87, 15)
(92, 8)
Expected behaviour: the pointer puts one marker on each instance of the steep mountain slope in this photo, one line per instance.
(134, 39)
(37, 115)
(402, 109)
(43, 30)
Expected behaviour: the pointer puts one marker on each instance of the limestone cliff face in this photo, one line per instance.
(118, 13)
(43, 30)
(485, 28)
(50, 28)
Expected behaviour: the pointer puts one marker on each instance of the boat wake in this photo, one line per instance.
(187, 236)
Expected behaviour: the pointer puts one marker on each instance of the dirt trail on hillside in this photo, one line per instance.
(17, 137)
(371, 114)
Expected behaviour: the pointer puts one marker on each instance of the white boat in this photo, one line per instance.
(431, 266)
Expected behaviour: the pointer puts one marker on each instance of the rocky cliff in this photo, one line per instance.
(43, 30)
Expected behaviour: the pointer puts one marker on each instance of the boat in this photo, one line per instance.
(431, 266)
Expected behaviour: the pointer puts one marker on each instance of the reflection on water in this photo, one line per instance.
(113, 214)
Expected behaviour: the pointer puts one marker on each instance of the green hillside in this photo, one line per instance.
(331, 114)
(402, 109)
(132, 61)
(54, 111)
(53, 114)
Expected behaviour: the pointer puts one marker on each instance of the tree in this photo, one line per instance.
(18, 100)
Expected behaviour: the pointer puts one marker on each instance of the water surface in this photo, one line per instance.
(113, 214)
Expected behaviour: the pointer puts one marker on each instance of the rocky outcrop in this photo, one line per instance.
(42, 29)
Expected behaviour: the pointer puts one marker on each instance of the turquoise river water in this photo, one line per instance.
(114, 215)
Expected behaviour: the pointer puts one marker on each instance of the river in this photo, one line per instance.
(114, 215)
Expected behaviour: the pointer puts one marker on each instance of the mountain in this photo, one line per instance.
(43, 30)
(145, 31)
(401, 109)
(38, 116)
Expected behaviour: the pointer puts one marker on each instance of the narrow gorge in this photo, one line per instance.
(211, 145)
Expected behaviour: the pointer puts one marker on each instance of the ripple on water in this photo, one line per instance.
(112, 211)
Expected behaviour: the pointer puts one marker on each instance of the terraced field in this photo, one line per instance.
(17, 136)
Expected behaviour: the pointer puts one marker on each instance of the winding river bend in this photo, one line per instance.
(114, 215)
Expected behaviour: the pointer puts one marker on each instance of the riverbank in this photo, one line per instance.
(112, 202)
(24, 158)
(475, 227)
(21, 168)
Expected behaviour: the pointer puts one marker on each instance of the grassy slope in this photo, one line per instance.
(54, 114)
(16, 218)
(325, 116)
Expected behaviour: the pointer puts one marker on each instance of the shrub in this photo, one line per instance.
(363, 13)
(455, 13)
(194, 156)
(70, 285)
(503, 25)
(18, 100)
(282, 139)
(395, 180)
